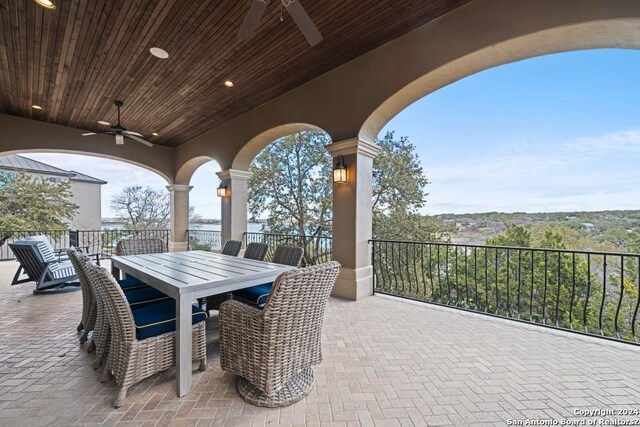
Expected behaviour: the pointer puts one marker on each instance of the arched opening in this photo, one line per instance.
(104, 194)
(532, 166)
(290, 192)
(204, 204)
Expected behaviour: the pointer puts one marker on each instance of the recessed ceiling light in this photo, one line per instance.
(47, 4)
(155, 134)
(102, 122)
(36, 107)
(159, 53)
(228, 83)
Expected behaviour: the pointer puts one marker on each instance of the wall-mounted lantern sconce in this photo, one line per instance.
(339, 171)
(223, 190)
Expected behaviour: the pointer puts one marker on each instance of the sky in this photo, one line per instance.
(554, 133)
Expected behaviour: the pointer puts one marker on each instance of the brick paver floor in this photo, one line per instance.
(386, 362)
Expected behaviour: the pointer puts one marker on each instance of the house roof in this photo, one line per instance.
(21, 163)
(77, 176)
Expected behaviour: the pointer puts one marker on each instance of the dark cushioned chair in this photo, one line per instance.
(257, 295)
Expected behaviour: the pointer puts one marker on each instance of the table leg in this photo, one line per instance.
(115, 271)
(183, 344)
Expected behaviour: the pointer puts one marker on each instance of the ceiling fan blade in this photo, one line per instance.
(302, 20)
(251, 21)
(129, 132)
(140, 140)
(89, 134)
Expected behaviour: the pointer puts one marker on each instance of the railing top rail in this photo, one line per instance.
(519, 248)
(288, 235)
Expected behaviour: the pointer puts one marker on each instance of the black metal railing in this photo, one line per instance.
(317, 249)
(204, 240)
(594, 293)
(59, 239)
(104, 241)
(101, 242)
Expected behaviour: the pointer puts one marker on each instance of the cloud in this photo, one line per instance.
(584, 173)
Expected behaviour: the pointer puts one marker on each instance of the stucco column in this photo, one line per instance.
(352, 218)
(179, 195)
(234, 206)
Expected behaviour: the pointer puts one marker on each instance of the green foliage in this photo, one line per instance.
(33, 204)
(292, 182)
(399, 192)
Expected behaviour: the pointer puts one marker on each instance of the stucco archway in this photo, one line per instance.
(250, 150)
(615, 33)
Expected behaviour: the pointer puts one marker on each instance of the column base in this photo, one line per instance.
(178, 246)
(354, 284)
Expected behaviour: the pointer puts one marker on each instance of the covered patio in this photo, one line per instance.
(386, 362)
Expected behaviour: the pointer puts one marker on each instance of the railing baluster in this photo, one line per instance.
(586, 301)
(497, 292)
(457, 281)
(446, 261)
(573, 290)
(532, 286)
(475, 275)
(635, 313)
(604, 294)
(508, 290)
(486, 282)
(519, 283)
(438, 271)
(466, 276)
(558, 279)
(615, 322)
(544, 297)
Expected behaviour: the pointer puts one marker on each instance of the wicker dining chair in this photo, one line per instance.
(138, 247)
(256, 250)
(137, 349)
(89, 304)
(212, 302)
(257, 295)
(272, 351)
(288, 255)
(232, 247)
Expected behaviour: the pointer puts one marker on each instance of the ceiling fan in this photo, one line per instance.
(295, 9)
(120, 132)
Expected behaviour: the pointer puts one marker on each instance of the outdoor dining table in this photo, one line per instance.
(185, 276)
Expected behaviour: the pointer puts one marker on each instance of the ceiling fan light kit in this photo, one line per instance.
(121, 132)
(295, 10)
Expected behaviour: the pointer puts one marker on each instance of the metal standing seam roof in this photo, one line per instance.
(17, 162)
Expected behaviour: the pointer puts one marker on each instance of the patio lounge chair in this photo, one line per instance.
(257, 295)
(272, 351)
(141, 341)
(42, 266)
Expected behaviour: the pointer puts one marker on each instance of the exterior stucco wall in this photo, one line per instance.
(88, 198)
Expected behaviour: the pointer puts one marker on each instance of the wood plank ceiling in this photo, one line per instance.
(77, 59)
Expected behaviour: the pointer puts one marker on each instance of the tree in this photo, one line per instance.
(292, 182)
(399, 191)
(142, 208)
(33, 204)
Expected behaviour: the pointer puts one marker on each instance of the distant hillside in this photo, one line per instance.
(603, 226)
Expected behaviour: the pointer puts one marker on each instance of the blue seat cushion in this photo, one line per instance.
(131, 283)
(159, 318)
(256, 295)
(138, 297)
